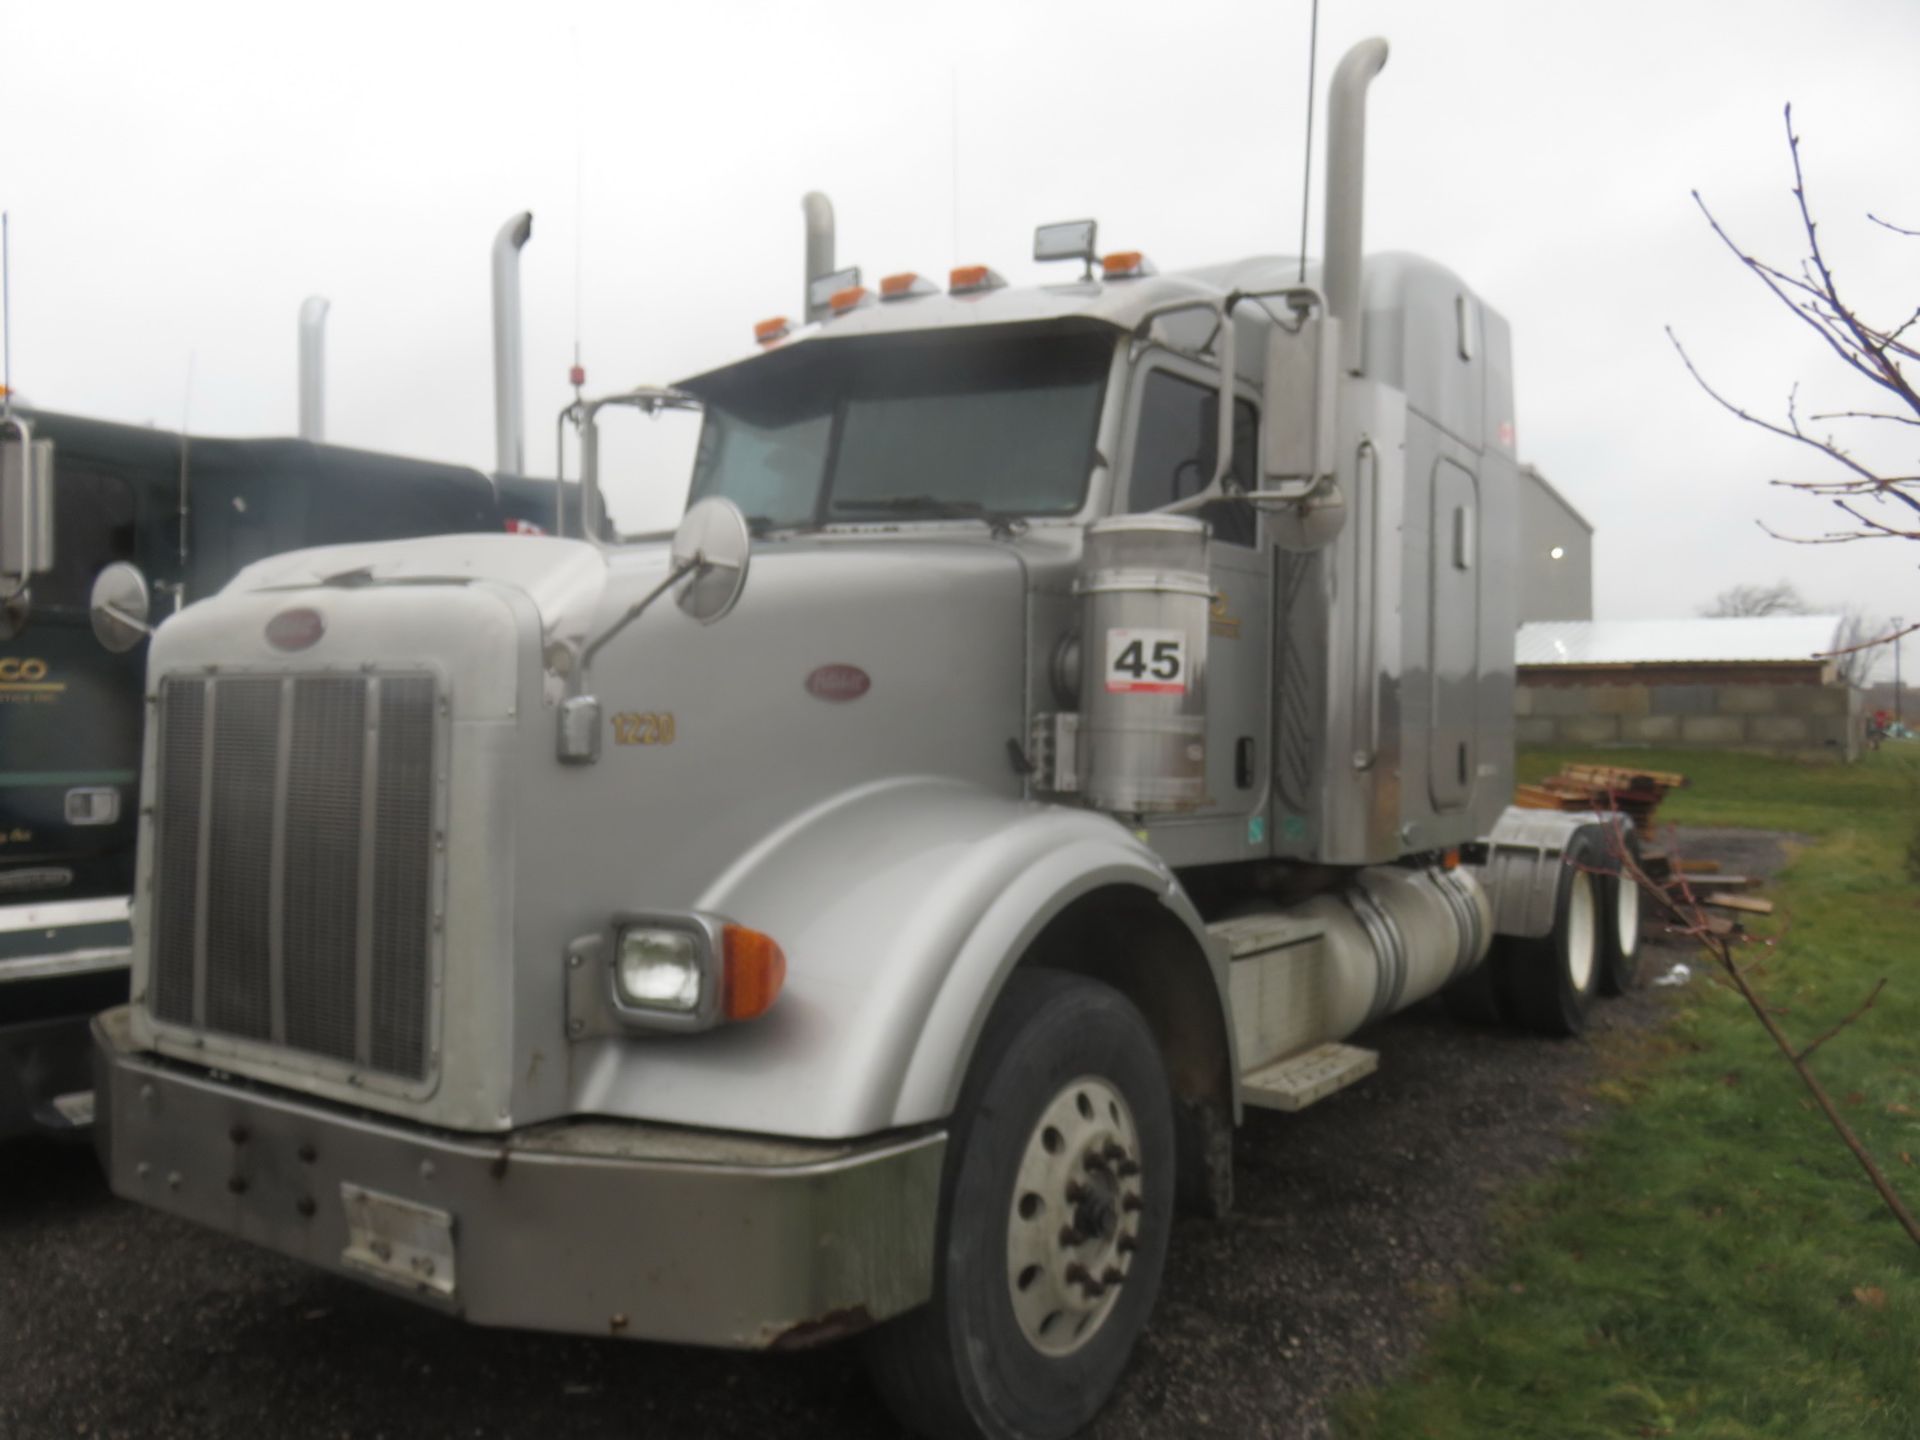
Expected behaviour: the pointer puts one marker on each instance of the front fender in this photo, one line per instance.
(901, 906)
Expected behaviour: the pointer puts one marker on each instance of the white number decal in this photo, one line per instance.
(1146, 662)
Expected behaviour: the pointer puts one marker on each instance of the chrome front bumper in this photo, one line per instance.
(587, 1226)
(60, 962)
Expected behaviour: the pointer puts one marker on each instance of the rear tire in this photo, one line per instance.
(1621, 903)
(1056, 1206)
(1549, 983)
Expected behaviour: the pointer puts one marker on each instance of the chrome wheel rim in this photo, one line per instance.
(1581, 939)
(1073, 1221)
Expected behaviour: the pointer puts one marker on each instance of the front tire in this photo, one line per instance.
(1056, 1206)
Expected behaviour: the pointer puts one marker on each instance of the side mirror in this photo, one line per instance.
(1302, 393)
(26, 505)
(119, 607)
(713, 536)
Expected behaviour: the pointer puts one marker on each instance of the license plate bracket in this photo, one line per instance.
(399, 1240)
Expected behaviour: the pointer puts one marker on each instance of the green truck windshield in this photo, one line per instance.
(907, 427)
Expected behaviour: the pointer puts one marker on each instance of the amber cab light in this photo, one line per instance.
(850, 298)
(970, 279)
(1125, 265)
(753, 971)
(769, 331)
(906, 283)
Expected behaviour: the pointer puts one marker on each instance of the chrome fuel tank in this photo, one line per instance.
(1145, 593)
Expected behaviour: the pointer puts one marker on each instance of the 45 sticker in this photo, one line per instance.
(1146, 662)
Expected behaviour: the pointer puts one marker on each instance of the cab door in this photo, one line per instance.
(1170, 455)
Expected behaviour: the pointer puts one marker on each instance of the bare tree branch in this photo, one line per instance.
(1782, 431)
(1865, 415)
(1869, 351)
(1845, 1021)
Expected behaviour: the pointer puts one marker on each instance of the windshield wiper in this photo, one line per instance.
(934, 507)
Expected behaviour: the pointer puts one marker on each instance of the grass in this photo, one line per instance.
(1714, 1264)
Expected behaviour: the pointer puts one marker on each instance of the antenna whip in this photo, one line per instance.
(1306, 170)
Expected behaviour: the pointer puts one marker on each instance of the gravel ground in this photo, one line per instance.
(119, 1321)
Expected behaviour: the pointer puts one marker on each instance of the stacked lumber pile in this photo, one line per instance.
(1716, 894)
(1634, 793)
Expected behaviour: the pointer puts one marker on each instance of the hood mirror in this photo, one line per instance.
(714, 539)
(119, 608)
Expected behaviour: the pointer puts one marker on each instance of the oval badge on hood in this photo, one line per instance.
(839, 682)
(295, 629)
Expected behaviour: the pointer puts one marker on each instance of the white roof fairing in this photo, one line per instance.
(1746, 640)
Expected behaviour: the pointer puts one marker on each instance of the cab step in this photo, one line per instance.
(1298, 1081)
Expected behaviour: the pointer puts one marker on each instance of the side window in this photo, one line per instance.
(1174, 452)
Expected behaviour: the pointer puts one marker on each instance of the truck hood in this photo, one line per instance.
(562, 577)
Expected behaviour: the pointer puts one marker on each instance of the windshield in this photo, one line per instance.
(948, 425)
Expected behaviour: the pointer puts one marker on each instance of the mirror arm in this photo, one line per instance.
(633, 611)
(127, 618)
(1229, 378)
(568, 412)
(585, 416)
(1302, 300)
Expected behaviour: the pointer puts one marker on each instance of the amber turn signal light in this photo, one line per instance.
(754, 969)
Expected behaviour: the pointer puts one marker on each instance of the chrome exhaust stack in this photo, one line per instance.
(1346, 190)
(313, 368)
(819, 212)
(509, 430)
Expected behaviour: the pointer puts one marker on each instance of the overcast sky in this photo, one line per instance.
(180, 176)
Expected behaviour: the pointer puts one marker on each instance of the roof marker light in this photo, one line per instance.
(1126, 265)
(973, 279)
(851, 298)
(906, 285)
(771, 332)
(821, 288)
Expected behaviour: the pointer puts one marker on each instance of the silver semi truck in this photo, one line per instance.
(1062, 719)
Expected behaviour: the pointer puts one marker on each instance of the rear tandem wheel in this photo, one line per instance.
(1547, 984)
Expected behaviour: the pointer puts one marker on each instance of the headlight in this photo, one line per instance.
(674, 973)
(658, 969)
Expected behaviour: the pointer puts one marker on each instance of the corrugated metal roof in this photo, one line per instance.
(1634, 642)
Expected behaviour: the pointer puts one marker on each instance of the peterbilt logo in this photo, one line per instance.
(295, 629)
(839, 682)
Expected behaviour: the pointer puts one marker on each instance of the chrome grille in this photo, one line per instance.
(294, 868)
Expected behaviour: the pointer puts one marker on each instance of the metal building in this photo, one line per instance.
(1766, 683)
(1555, 574)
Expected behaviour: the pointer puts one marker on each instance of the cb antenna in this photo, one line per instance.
(1306, 169)
(6, 317)
(577, 373)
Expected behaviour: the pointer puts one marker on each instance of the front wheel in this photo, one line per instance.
(1056, 1206)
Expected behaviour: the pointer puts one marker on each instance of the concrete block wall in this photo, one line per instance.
(1814, 722)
